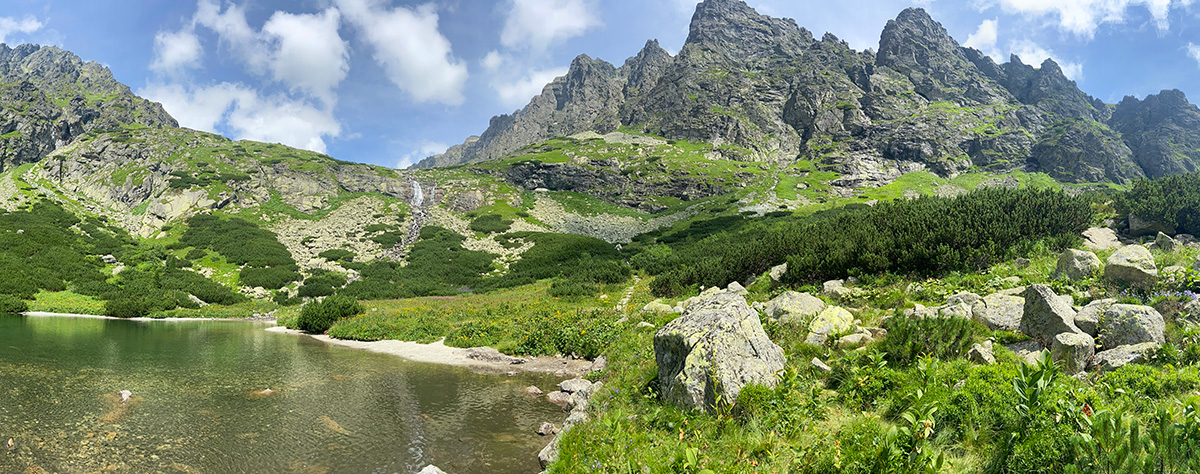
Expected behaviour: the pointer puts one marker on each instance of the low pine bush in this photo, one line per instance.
(316, 317)
(10, 304)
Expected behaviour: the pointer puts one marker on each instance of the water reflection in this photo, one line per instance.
(229, 397)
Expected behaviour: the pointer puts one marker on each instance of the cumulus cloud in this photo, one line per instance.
(537, 24)
(246, 114)
(175, 52)
(984, 39)
(518, 92)
(309, 53)
(234, 32)
(425, 150)
(409, 46)
(1194, 51)
(10, 25)
(1033, 54)
(1082, 17)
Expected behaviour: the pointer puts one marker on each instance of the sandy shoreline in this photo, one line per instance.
(484, 359)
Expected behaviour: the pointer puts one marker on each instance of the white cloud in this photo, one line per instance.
(493, 61)
(235, 33)
(10, 25)
(310, 55)
(425, 150)
(408, 45)
(537, 24)
(1194, 51)
(984, 39)
(518, 92)
(247, 114)
(1082, 17)
(176, 52)
(1033, 54)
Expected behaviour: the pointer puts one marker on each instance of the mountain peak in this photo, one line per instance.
(736, 30)
(914, 39)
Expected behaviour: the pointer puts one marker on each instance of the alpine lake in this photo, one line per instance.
(231, 397)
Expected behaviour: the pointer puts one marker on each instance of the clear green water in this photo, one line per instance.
(194, 407)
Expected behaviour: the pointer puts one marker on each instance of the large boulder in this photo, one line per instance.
(833, 320)
(1088, 318)
(1075, 265)
(1139, 227)
(1046, 315)
(837, 289)
(712, 351)
(1074, 351)
(1127, 324)
(1000, 312)
(965, 297)
(1101, 238)
(1132, 265)
(1190, 315)
(794, 308)
(776, 274)
(1118, 357)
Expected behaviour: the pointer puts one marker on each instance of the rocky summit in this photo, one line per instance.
(765, 89)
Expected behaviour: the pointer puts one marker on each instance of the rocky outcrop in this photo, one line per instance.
(1077, 265)
(718, 346)
(1132, 265)
(982, 354)
(1162, 131)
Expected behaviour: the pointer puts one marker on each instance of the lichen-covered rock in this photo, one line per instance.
(1132, 265)
(1117, 357)
(959, 310)
(1127, 324)
(1046, 315)
(712, 351)
(1088, 318)
(1191, 313)
(737, 288)
(1165, 243)
(1077, 265)
(794, 308)
(965, 297)
(855, 340)
(982, 354)
(1101, 238)
(837, 289)
(1000, 312)
(1074, 351)
(833, 320)
(656, 306)
(776, 274)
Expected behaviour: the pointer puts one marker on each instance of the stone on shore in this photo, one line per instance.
(1132, 265)
(712, 351)
(431, 469)
(558, 398)
(574, 385)
(547, 429)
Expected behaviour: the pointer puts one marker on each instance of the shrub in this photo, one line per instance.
(271, 278)
(945, 338)
(318, 316)
(1173, 201)
(334, 255)
(491, 224)
(241, 242)
(9, 304)
(195, 254)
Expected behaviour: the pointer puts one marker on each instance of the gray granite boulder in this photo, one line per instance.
(832, 320)
(1165, 243)
(1000, 312)
(1132, 265)
(1088, 318)
(1075, 265)
(1117, 357)
(982, 354)
(1074, 351)
(712, 351)
(1046, 315)
(794, 308)
(1127, 324)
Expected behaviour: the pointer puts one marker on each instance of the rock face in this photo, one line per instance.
(712, 351)
(922, 102)
(1077, 265)
(1132, 265)
(1125, 324)
(52, 97)
(1046, 315)
(794, 308)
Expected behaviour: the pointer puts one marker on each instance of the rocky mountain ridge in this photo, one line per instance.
(764, 89)
(50, 97)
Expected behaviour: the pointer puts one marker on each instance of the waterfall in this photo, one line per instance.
(418, 198)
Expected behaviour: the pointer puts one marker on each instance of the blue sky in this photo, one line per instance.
(389, 82)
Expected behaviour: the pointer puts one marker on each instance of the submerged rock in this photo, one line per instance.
(712, 351)
(431, 469)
